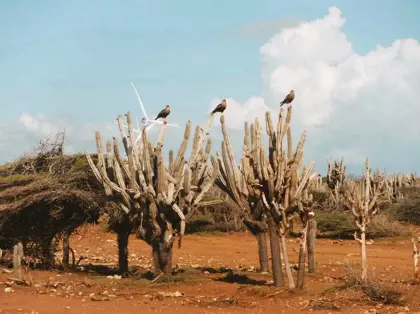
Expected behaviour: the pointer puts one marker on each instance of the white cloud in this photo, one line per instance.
(22, 136)
(236, 114)
(40, 125)
(351, 104)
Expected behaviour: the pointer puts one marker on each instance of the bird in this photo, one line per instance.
(220, 108)
(164, 113)
(289, 98)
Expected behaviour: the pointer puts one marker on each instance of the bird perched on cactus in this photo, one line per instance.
(220, 108)
(289, 98)
(164, 113)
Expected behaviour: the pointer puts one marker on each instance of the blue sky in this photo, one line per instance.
(74, 60)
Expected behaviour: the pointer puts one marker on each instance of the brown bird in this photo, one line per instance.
(289, 98)
(164, 113)
(221, 107)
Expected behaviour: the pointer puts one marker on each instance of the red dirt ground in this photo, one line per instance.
(63, 292)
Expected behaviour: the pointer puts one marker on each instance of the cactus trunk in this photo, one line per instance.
(275, 253)
(262, 251)
(122, 241)
(311, 245)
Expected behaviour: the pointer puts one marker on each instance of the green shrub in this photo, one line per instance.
(334, 225)
(199, 223)
(340, 225)
(408, 209)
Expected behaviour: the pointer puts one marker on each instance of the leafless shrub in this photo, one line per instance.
(377, 292)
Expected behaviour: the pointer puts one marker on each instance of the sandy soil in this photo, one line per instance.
(199, 290)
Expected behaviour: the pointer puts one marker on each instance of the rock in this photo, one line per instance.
(95, 297)
(171, 294)
(8, 290)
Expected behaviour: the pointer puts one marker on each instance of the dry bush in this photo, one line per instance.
(383, 226)
(37, 209)
(375, 291)
(44, 196)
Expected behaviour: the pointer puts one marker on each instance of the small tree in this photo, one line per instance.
(157, 197)
(362, 198)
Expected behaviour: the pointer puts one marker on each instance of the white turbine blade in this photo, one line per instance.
(138, 138)
(175, 125)
(149, 127)
(138, 125)
(156, 121)
(125, 125)
(141, 103)
(161, 122)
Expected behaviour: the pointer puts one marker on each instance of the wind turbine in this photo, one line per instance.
(146, 122)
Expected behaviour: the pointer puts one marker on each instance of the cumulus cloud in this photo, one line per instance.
(39, 124)
(21, 136)
(352, 105)
(238, 113)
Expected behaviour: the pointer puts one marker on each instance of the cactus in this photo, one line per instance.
(336, 178)
(363, 200)
(416, 256)
(308, 232)
(268, 180)
(395, 182)
(157, 197)
(17, 259)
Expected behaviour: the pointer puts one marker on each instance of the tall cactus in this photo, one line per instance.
(363, 199)
(157, 197)
(267, 178)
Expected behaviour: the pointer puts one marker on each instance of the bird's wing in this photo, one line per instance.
(140, 102)
(219, 106)
(161, 113)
